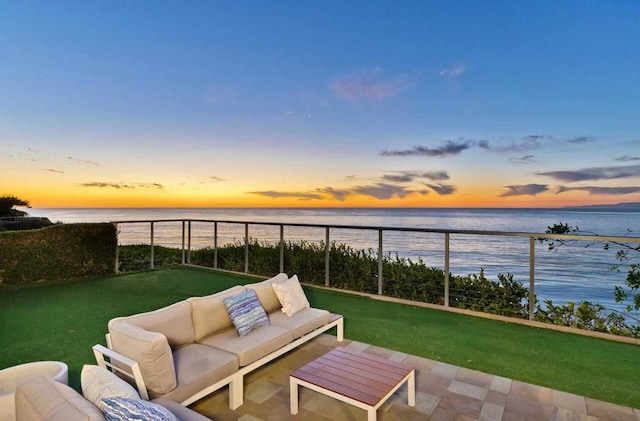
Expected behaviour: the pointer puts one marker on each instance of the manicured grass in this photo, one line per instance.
(62, 322)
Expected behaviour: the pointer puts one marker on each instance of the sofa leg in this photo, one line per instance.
(236, 392)
(340, 330)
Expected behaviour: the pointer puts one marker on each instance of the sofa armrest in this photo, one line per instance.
(119, 363)
(151, 351)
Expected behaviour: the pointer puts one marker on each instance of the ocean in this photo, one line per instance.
(574, 272)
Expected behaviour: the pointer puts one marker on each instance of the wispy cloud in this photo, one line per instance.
(525, 190)
(383, 191)
(581, 139)
(338, 194)
(213, 179)
(442, 189)
(283, 194)
(82, 161)
(526, 143)
(448, 148)
(592, 190)
(596, 173)
(627, 158)
(453, 72)
(121, 185)
(410, 176)
(53, 171)
(370, 85)
(527, 159)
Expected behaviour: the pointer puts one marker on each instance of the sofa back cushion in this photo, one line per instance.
(173, 321)
(209, 313)
(266, 294)
(150, 350)
(43, 398)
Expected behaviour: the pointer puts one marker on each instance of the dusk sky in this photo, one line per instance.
(320, 103)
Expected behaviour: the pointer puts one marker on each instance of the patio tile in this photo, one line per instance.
(419, 363)
(497, 398)
(432, 384)
(569, 401)
(380, 352)
(261, 390)
(398, 357)
(491, 412)
(563, 414)
(532, 392)
(445, 370)
(425, 403)
(443, 414)
(461, 404)
(608, 410)
(501, 384)
(358, 346)
(474, 377)
(518, 408)
(468, 390)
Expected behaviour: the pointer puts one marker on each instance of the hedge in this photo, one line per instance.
(58, 252)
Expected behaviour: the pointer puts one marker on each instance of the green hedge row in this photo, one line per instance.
(58, 252)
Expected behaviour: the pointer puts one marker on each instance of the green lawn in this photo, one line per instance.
(62, 322)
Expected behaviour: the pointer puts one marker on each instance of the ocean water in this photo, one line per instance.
(574, 272)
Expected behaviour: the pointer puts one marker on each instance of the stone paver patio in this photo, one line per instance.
(443, 392)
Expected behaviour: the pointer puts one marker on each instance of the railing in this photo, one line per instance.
(532, 237)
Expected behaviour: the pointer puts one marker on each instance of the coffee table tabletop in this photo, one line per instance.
(363, 380)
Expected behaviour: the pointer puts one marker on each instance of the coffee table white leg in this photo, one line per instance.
(293, 386)
(371, 414)
(411, 388)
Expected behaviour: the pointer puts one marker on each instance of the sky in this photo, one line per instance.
(320, 103)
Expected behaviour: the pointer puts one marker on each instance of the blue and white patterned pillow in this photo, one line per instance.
(246, 312)
(124, 409)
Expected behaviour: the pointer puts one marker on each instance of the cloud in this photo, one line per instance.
(82, 161)
(54, 171)
(398, 178)
(527, 159)
(525, 190)
(383, 191)
(442, 189)
(613, 191)
(627, 158)
(581, 139)
(337, 194)
(120, 185)
(596, 173)
(296, 195)
(409, 176)
(453, 72)
(213, 179)
(526, 143)
(448, 148)
(369, 85)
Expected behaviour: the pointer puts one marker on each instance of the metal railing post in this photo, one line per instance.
(246, 247)
(327, 254)
(532, 276)
(380, 261)
(117, 270)
(281, 248)
(215, 245)
(446, 269)
(183, 254)
(152, 257)
(189, 244)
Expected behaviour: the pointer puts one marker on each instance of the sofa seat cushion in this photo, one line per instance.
(302, 322)
(210, 314)
(173, 321)
(266, 294)
(198, 367)
(255, 345)
(43, 398)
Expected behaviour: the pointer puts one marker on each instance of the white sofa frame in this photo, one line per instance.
(115, 361)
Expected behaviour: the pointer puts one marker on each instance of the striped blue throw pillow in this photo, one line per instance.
(124, 409)
(246, 312)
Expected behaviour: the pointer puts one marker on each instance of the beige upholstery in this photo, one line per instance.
(266, 294)
(301, 322)
(199, 366)
(210, 314)
(43, 398)
(182, 412)
(257, 344)
(173, 321)
(152, 352)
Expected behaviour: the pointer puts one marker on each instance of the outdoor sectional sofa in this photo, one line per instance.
(192, 348)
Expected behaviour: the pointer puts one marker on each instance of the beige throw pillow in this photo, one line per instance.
(291, 296)
(99, 383)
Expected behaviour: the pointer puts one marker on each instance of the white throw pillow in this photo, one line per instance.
(99, 383)
(291, 296)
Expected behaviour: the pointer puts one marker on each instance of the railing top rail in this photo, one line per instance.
(629, 239)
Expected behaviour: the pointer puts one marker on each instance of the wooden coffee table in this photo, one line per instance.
(363, 380)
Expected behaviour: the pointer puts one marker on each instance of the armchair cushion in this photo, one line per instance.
(98, 383)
